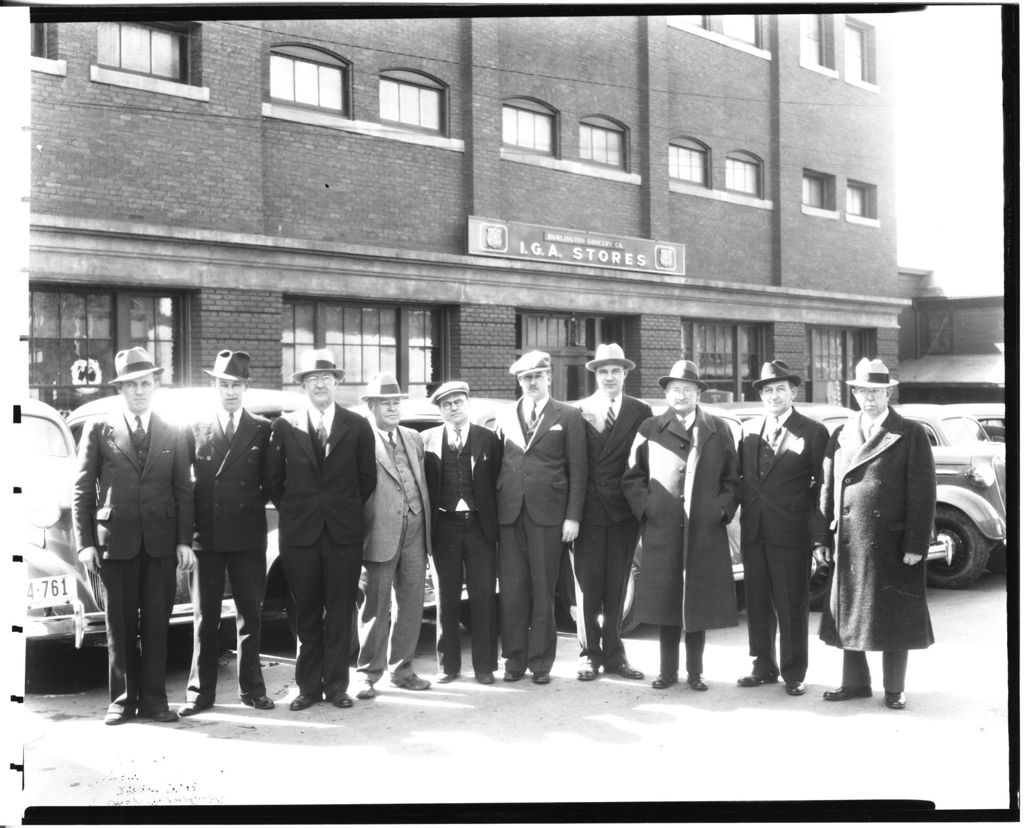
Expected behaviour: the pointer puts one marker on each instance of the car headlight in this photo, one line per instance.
(981, 476)
(44, 514)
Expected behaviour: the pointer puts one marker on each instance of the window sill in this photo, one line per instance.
(574, 167)
(821, 70)
(723, 40)
(862, 84)
(817, 212)
(725, 196)
(49, 67)
(863, 220)
(113, 77)
(313, 117)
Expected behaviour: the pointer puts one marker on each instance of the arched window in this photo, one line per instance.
(689, 160)
(528, 124)
(413, 100)
(309, 77)
(743, 173)
(603, 141)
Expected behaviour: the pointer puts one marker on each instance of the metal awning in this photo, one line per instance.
(950, 369)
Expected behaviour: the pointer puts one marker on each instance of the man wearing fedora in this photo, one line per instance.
(878, 501)
(541, 488)
(320, 472)
(462, 464)
(683, 486)
(603, 552)
(132, 512)
(781, 456)
(228, 448)
(395, 546)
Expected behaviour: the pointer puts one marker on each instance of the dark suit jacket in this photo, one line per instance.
(230, 499)
(121, 507)
(548, 475)
(608, 454)
(781, 508)
(309, 497)
(486, 452)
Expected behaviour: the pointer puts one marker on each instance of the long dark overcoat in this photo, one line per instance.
(879, 500)
(686, 570)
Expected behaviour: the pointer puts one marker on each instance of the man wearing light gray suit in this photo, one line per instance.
(395, 546)
(541, 488)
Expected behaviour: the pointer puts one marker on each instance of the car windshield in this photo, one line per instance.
(963, 430)
(42, 438)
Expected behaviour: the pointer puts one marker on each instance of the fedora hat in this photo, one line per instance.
(449, 388)
(775, 371)
(530, 362)
(320, 361)
(231, 365)
(132, 364)
(871, 373)
(683, 370)
(383, 386)
(610, 355)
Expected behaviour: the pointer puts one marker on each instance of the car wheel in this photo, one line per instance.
(970, 550)
(997, 559)
(630, 611)
(818, 586)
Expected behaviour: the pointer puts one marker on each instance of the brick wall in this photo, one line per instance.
(789, 343)
(242, 320)
(482, 347)
(652, 342)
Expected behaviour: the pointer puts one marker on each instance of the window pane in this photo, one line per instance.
(741, 176)
(854, 53)
(165, 318)
(388, 326)
(855, 201)
(165, 47)
(334, 333)
(108, 48)
(304, 324)
(140, 315)
(740, 26)
(389, 100)
(408, 104)
(282, 78)
(542, 133)
(509, 126)
(72, 315)
(135, 48)
(430, 109)
(330, 87)
(371, 326)
(99, 316)
(524, 129)
(306, 86)
(353, 325)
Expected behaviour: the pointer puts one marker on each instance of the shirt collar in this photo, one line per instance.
(528, 405)
(450, 431)
(771, 420)
(689, 419)
(868, 424)
(222, 418)
(129, 418)
(328, 416)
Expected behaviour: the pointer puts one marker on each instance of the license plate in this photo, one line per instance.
(50, 592)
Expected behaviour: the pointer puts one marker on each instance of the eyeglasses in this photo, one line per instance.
(320, 379)
(453, 405)
(869, 392)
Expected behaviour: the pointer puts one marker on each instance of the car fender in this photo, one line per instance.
(977, 508)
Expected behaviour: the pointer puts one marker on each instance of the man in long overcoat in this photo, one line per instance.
(878, 497)
(683, 486)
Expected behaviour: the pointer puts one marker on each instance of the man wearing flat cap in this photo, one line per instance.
(395, 547)
(683, 486)
(462, 464)
(132, 512)
(228, 448)
(320, 472)
(878, 501)
(603, 552)
(541, 488)
(781, 456)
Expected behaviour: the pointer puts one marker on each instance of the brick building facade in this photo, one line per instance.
(276, 185)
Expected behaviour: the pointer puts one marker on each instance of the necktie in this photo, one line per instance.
(769, 442)
(533, 417)
(458, 439)
(229, 432)
(609, 420)
(140, 433)
(391, 440)
(321, 434)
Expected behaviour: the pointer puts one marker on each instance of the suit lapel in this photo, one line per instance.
(410, 452)
(790, 431)
(510, 427)
(122, 438)
(300, 422)
(338, 428)
(160, 435)
(384, 454)
(548, 417)
(627, 413)
(244, 433)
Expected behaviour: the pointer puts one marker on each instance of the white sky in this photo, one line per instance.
(949, 145)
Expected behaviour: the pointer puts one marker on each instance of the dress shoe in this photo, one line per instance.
(586, 674)
(485, 678)
(626, 671)
(796, 688)
(162, 716)
(512, 675)
(446, 678)
(695, 682)
(114, 717)
(542, 678)
(895, 701)
(259, 702)
(847, 693)
(410, 681)
(755, 680)
(303, 702)
(663, 682)
(367, 691)
(342, 700)
(193, 707)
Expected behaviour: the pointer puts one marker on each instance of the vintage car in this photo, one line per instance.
(991, 417)
(831, 416)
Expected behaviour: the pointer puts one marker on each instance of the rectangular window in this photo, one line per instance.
(688, 164)
(365, 340)
(602, 146)
(743, 27)
(816, 48)
(699, 21)
(742, 176)
(527, 130)
(860, 52)
(861, 200)
(305, 82)
(160, 52)
(74, 334)
(40, 44)
(819, 190)
(728, 357)
(832, 354)
(410, 105)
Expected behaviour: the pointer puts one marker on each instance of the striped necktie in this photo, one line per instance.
(609, 420)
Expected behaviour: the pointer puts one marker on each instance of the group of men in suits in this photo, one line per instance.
(363, 501)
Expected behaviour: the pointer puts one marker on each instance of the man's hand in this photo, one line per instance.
(822, 555)
(186, 560)
(909, 558)
(90, 556)
(570, 529)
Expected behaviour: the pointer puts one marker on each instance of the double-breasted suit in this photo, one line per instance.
(319, 496)
(395, 548)
(780, 523)
(135, 512)
(543, 482)
(465, 544)
(603, 552)
(230, 536)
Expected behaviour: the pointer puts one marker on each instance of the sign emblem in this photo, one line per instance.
(495, 237)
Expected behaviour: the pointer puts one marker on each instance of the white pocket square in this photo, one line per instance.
(556, 427)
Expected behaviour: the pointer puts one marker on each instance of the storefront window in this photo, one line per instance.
(728, 358)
